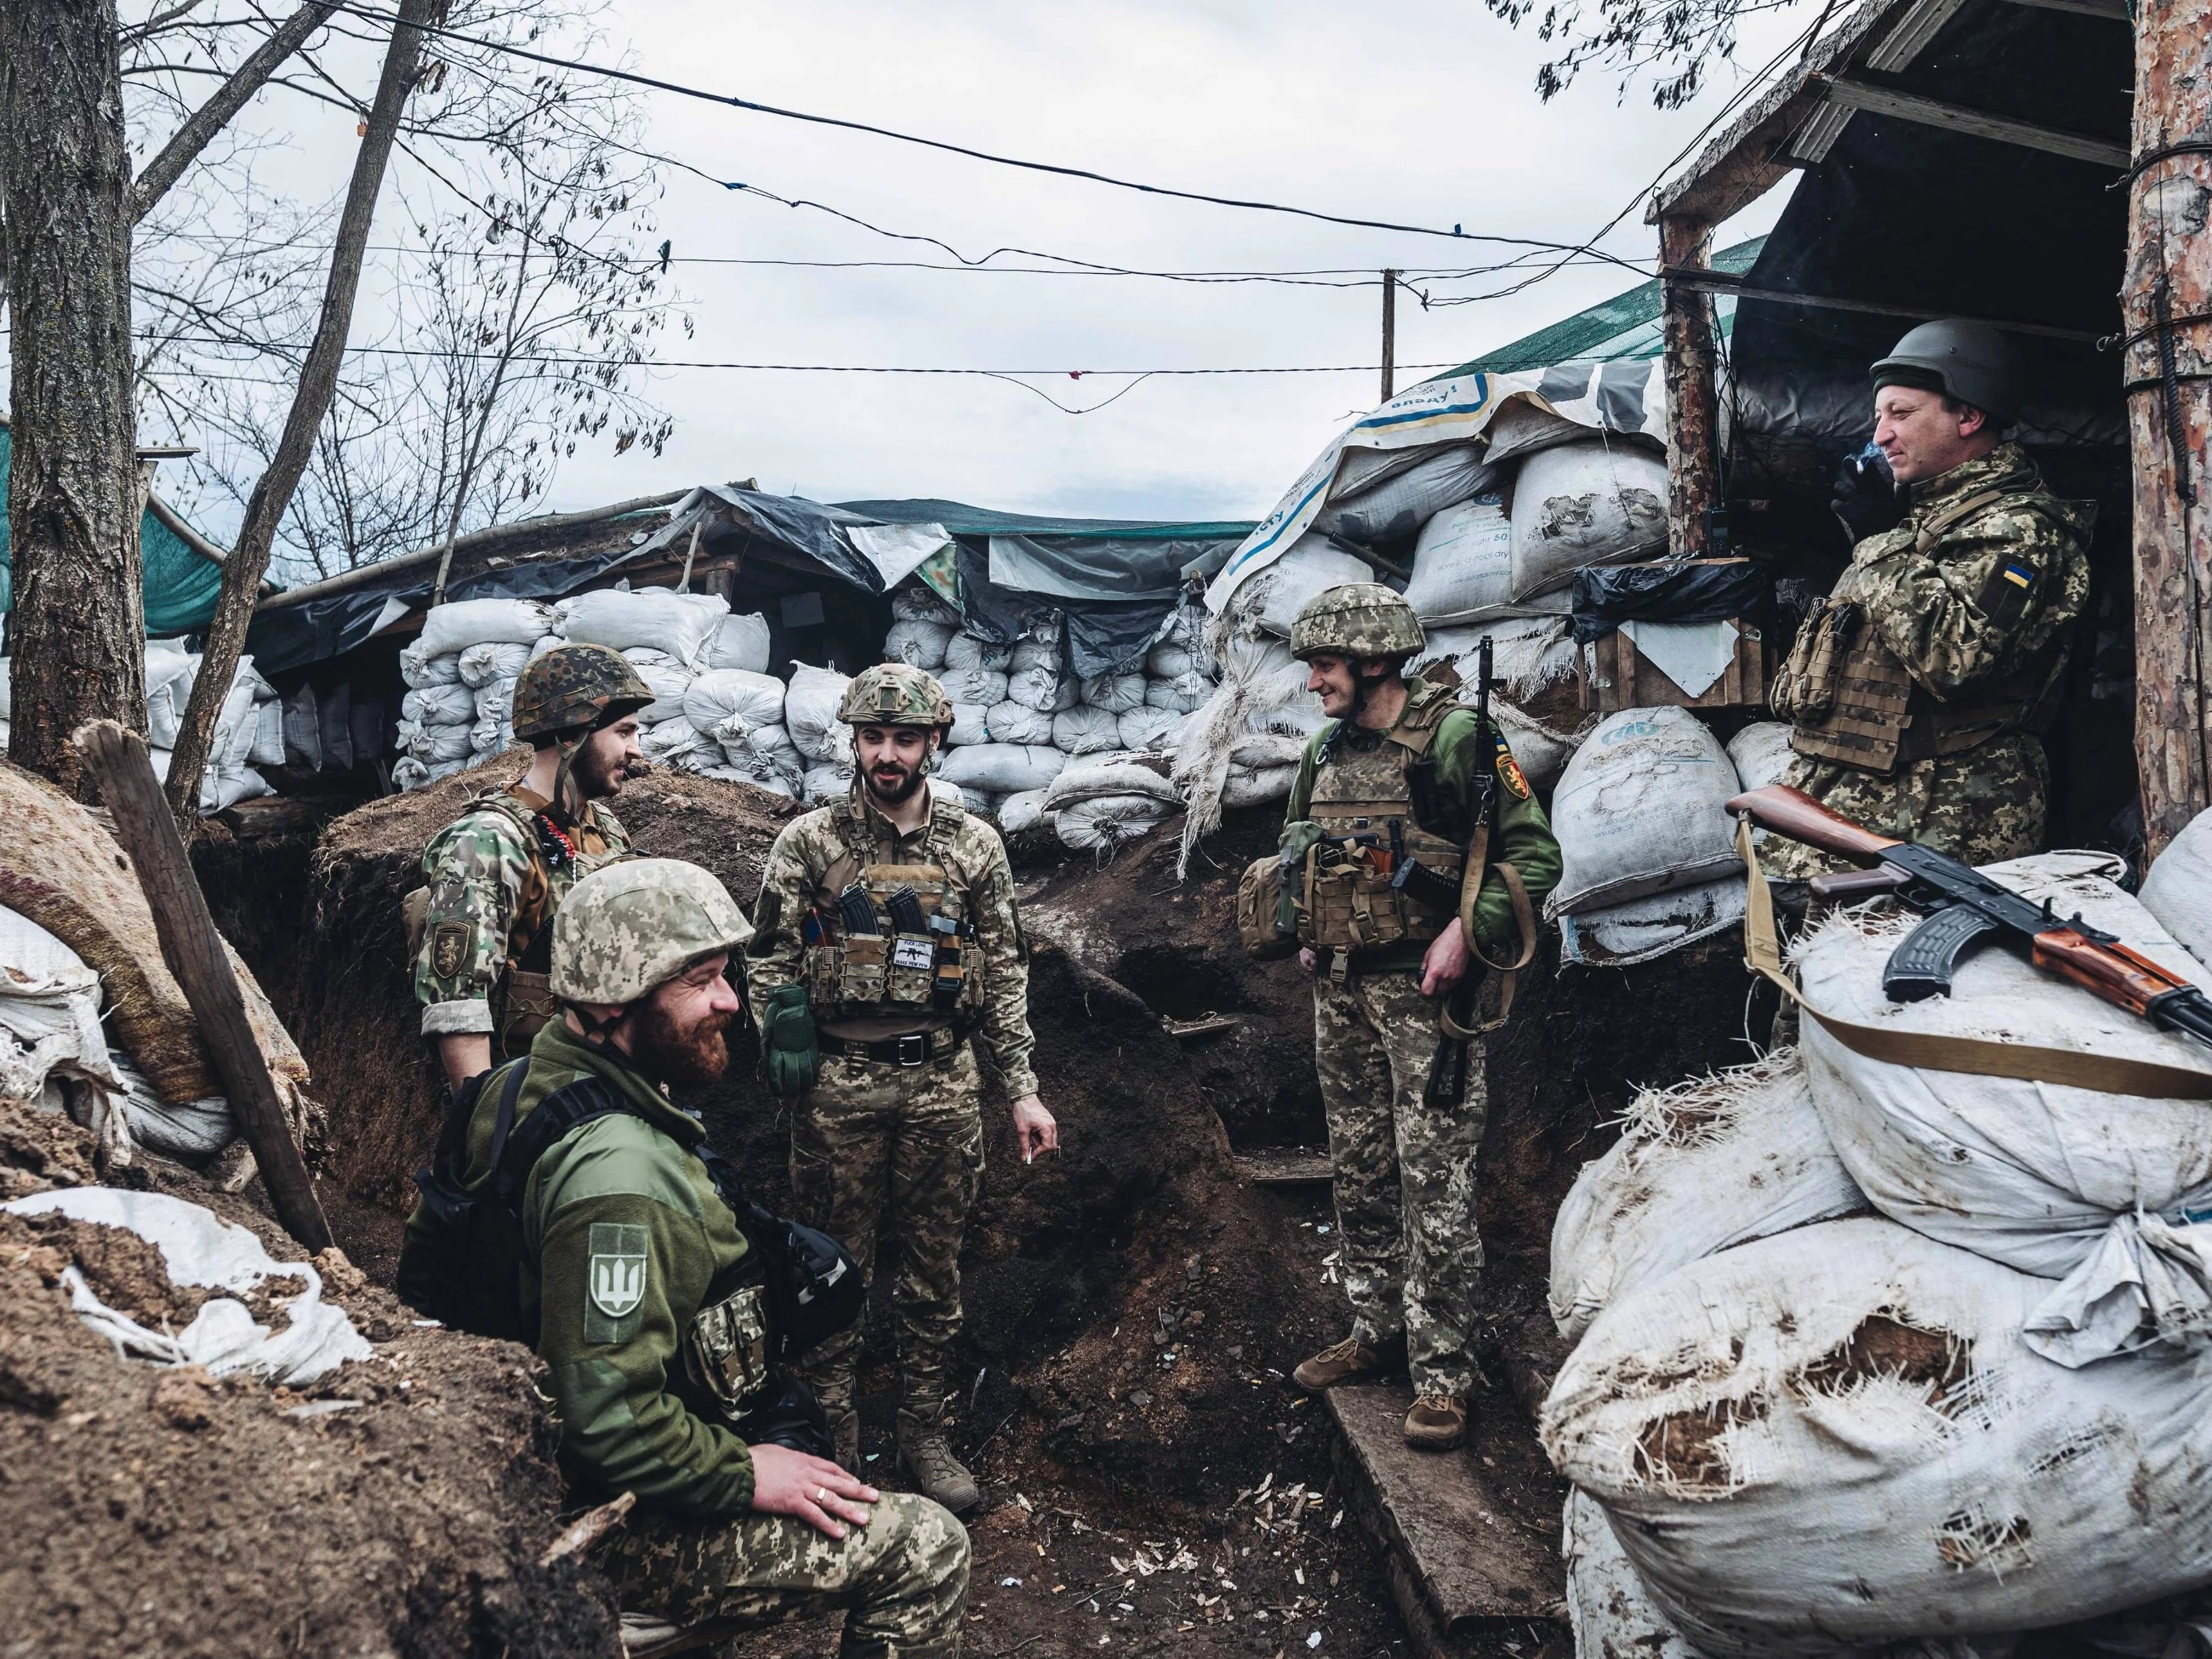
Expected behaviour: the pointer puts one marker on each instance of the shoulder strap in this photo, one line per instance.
(1958, 512)
(516, 1149)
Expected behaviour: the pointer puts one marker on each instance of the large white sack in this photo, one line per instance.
(1001, 769)
(1463, 563)
(432, 744)
(1262, 689)
(236, 727)
(2089, 1189)
(1273, 599)
(1543, 751)
(1033, 651)
(722, 695)
(986, 686)
(738, 641)
(966, 651)
(1009, 722)
(1084, 730)
(1169, 658)
(1258, 786)
(916, 602)
(1185, 694)
(439, 705)
(2178, 889)
(667, 680)
(765, 756)
(480, 665)
(971, 723)
(1644, 929)
(1102, 824)
(1641, 808)
(268, 747)
(1835, 1438)
(1116, 693)
(1702, 1165)
(670, 742)
(334, 724)
(827, 782)
(1609, 1612)
(1017, 811)
(810, 712)
(1151, 728)
(419, 668)
(456, 626)
(919, 644)
(223, 787)
(170, 672)
(303, 729)
(1762, 753)
(1590, 502)
(1041, 688)
(1388, 501)
(1091, 779)
(682, 625)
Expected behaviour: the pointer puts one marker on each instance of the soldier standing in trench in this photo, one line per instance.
(1396, 778)
(887, 936)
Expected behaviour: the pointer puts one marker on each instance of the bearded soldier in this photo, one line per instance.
(499, 871)
(887, 937)
(1387, 809)
(1918, 688)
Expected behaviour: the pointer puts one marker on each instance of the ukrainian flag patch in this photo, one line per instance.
(2018, 574)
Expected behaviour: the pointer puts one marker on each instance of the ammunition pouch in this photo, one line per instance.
(725, 1345)
(1360, 890)
(522, 1005)
(893, 940)
(1260, 897)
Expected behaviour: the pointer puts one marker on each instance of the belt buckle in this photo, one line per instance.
(914, 1048)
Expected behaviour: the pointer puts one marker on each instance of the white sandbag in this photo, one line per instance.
(1258, 786)
(1273, 599)
(434, 743)
(50, 1003)
(1116, 693)
(185, 1129)
(739, 641)
(1263, 688)
(420, 669)
(407, 773)
(827, 783)
(1021, 811)
(1589, 502)
(1035, 651)
(1641, 808)
(303, 729)
(1834, 1437)
(1043, 688)
(1016, 722)
(810, 712)
(1001, 769)
(311, 1337)
(970, 724)
(1530, 654)
(550, 642)
(1388, 501)
(986, 686)
(2178, 889)
(681, 625)
(1103, 824)
(1701, 1166)
(453, 628)
(1658, 923)
(439, 705)
(268, 747)
(669, 742)
(1169, 659)
(223, 787)
(917, 602)
(480, 665)
(722, 695)
(1184, 694)
(1091, 780)
(334, 722)
(965, 651)
(1610, 1612)
(1463, 563)
(1151, 728)
(170, 672)
(920, 644)
(1084, 730)
(2095, 1190)
(1542, 752)
(1762, 753)
(236, 727)
(668, 683)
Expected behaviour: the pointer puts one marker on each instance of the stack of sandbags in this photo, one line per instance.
(823, 741)
(669, 638)
(461, 674)
(249, 732)
(740, 714)
(1098, 806)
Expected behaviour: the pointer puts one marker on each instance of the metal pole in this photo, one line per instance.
(1390, 333)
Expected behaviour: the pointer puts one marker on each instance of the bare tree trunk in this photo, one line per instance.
(77, 631)
(1692, 407)
(319, 378)
(2168, 301)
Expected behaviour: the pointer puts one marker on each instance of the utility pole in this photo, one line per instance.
(1390, 333)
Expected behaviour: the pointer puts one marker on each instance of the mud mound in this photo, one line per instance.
(40, 1150)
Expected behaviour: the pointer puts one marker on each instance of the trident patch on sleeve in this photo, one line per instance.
(1509, 772)
(621, 1257)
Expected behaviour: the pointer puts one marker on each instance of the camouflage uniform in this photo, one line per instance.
(1978, 623)
(872, 1137)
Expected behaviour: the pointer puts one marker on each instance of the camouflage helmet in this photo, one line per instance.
(632, 925)
(895, 694)
(575, 685)
(1360, 619)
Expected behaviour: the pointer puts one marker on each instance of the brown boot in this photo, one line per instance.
(845, 1436)
(1347, 1361)
(1437, 1423)
(941, 1476)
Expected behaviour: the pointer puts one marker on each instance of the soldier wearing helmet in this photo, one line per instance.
(1381, 813)
(887, 938)
(498, 873)
(1918, 688)
(654, 1294)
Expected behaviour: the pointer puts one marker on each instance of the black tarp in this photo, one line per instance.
(1719, 590)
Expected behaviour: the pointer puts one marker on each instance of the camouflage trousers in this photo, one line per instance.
(1410, 1256)
(872, 1143)
(1981, 807)
(902, 1580)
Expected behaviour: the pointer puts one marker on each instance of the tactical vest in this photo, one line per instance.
(522, 997)
(1355, 895)
(891, 940)
(1852, 700)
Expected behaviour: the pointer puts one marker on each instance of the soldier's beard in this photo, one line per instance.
(670, 1053)
(908, 779)
(596, 777)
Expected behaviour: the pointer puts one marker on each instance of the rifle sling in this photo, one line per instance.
(1935, 1052)
(1524, 918)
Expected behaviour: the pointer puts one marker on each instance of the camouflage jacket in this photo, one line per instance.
(976, 869)
(626, 1188)
(492, 892)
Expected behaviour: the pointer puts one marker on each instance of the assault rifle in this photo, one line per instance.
(1447, 1084)
(1964, 907)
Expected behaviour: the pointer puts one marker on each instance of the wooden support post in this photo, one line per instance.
(193, 949)
(2167, 299)
(1692, 406)
(1389, 334)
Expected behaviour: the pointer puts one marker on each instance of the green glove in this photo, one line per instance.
(789, 1049)
(1299, 837)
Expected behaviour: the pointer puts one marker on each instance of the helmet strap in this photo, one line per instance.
(568, 794)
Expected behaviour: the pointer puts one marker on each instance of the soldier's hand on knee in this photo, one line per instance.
(1035, 1130)
(812, 1489)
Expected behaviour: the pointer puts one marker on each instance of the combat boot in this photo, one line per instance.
(1349, 1361)
(940, 1475)
(845, 1438)
(1437, 1423)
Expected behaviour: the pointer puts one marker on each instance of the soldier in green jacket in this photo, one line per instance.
(654, 1361)
(1404, 765)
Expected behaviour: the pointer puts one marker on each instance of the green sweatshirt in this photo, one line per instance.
(1520, 834)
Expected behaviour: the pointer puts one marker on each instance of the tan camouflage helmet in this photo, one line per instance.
(1360, 619)
(630, 927)
(895, 694)
(575, 686)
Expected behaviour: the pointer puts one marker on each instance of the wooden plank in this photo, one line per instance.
(1622, 677)
(1979, 123)
(2114, 11)
(1721, 282)
(193, 949)
(1287, 1166)
(1207, 1025)
(1459, 1560)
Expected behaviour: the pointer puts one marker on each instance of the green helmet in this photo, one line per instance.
(575, 685)
(637, 924)
(1360, 619)
(1971, 362)
(895, 694)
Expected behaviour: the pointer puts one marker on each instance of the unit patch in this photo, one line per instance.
(620, 1259)
(449, 948)
(1509, 772)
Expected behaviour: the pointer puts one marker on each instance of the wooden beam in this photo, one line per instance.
(1721, 282)
(2115, 11)
(1690, 363)
(1956, 118)
(194, 950)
